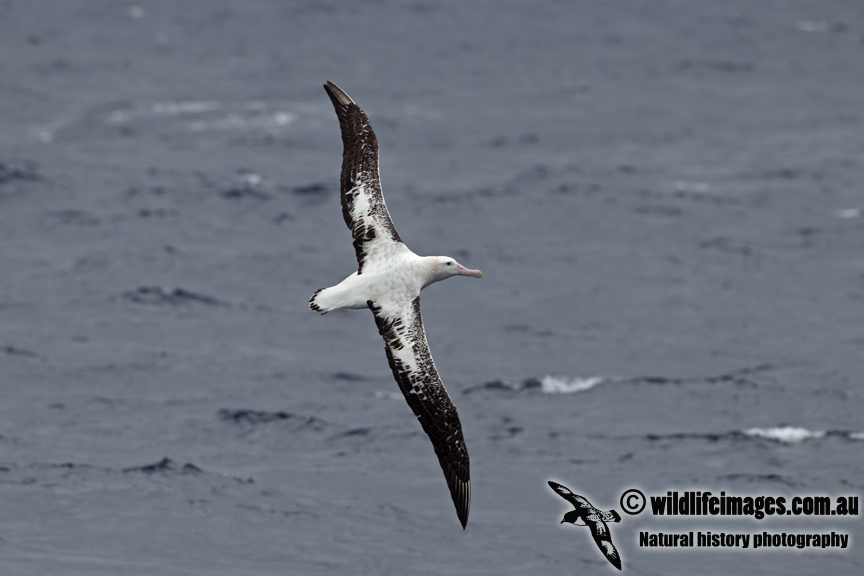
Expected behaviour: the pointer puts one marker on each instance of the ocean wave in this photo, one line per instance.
(548, 384)
(785, 434)
(780, 434)
(551, 384)
(557, 384)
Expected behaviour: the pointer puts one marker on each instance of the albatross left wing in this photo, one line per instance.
(363, 207)
(401, 325)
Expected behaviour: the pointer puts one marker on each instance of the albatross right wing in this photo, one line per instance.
(401, 325)
(363, 207)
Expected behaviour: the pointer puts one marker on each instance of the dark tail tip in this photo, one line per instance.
(313, 305)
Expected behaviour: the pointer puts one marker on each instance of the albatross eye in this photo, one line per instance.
(449, 263)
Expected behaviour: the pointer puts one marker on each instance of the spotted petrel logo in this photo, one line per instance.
(585, 514)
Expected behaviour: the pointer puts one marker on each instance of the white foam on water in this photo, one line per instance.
(238, 122)
(786, 434)
(196, 116)
(695, 187)
(283, 118)
(163, 109)
(184, 107)
(252, 179)
(811, 25)
(849, 213)
(119, 116)
(551, 384)
(422, 112)
(47, 133)
(856, 435)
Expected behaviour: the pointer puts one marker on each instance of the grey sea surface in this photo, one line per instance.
(665, 199)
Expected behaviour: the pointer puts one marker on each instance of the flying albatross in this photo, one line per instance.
(388, 282)
(585, 514)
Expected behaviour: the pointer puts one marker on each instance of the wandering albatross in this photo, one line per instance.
(388, 282)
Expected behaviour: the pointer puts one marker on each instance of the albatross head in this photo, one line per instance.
(444, 267)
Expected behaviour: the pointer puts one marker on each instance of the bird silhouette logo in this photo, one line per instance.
(585, 514)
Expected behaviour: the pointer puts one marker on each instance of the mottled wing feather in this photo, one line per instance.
(601, 535)
(610, 516)
(415, 372)
(363, 207)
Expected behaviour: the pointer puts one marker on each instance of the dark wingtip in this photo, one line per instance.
(460, 492)
(610, 552)
(337, 95)
(462, 499)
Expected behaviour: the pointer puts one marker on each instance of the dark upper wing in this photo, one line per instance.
(363, 207)
(412, 365)
(578, 501)
(603, 538)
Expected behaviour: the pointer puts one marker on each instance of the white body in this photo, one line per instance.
(398, 278)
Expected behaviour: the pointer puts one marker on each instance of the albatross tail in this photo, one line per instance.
(343, 295)
(314, 305)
